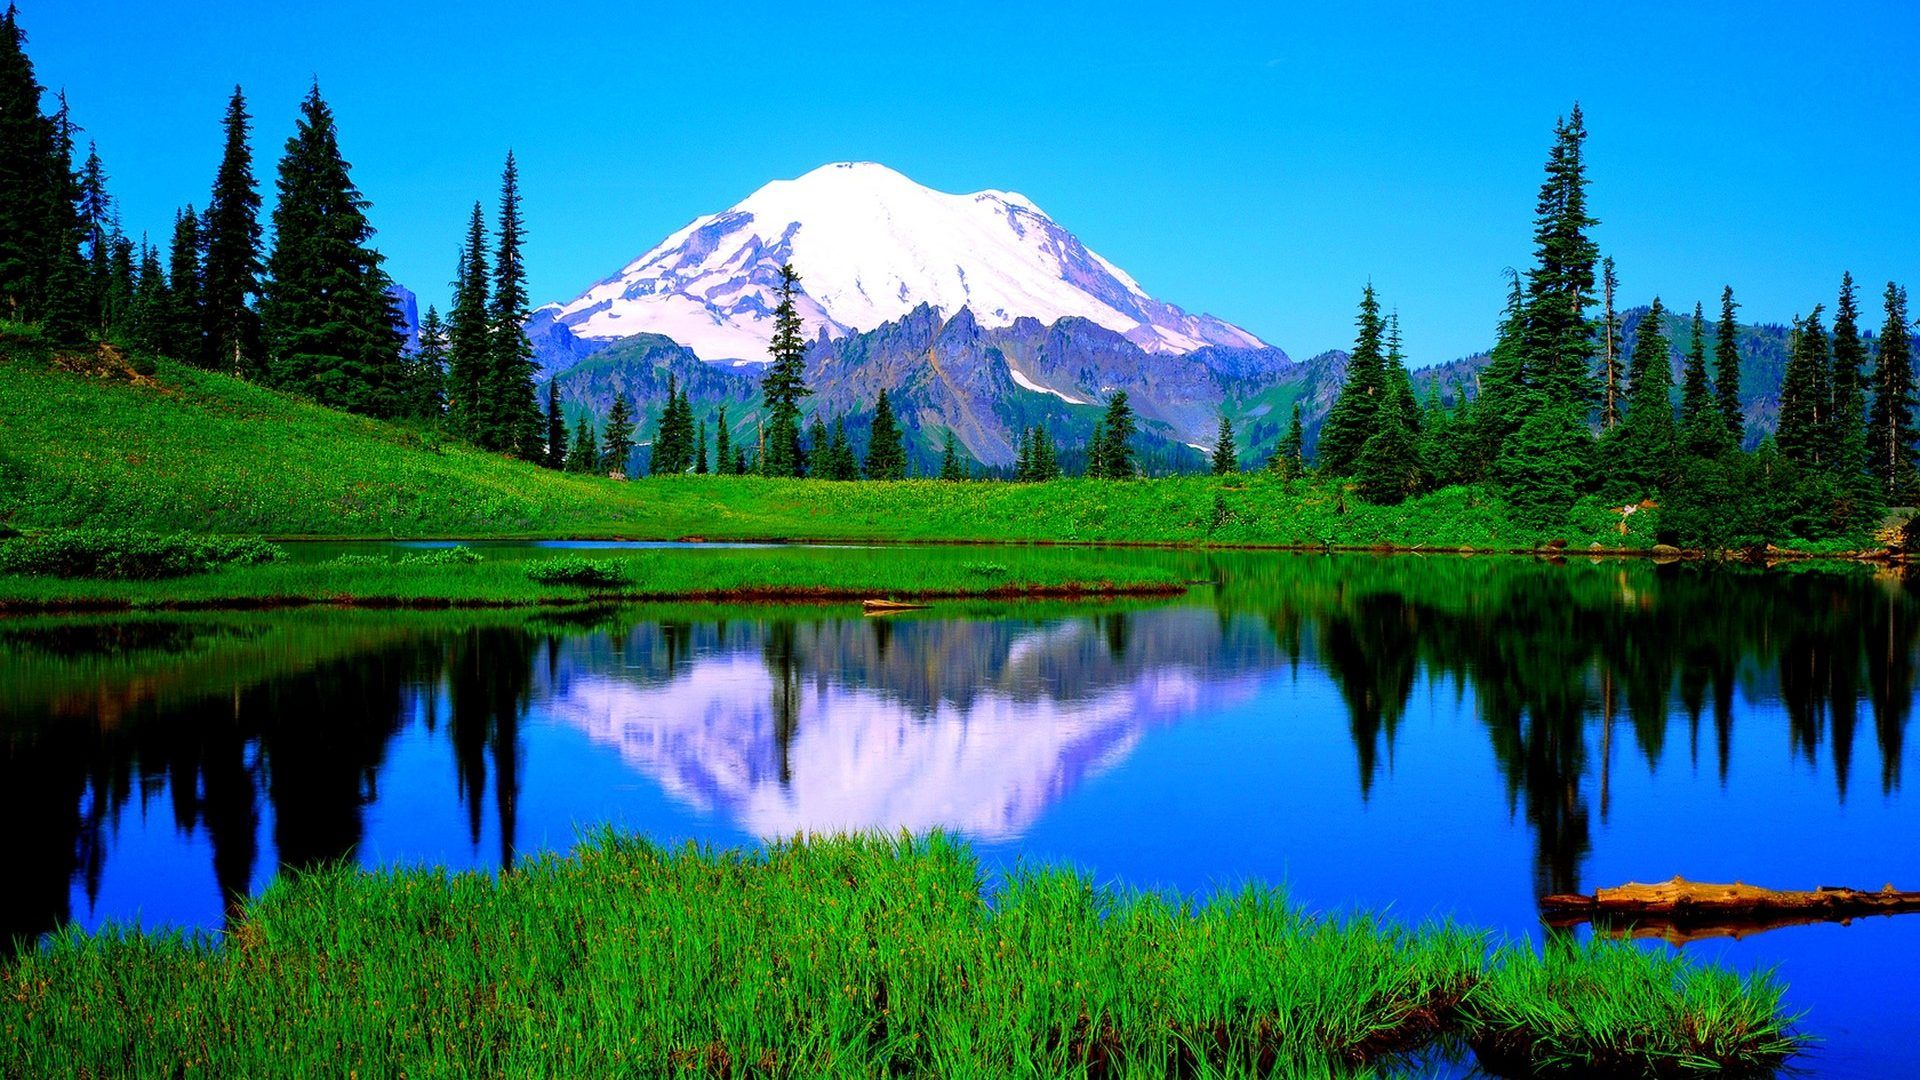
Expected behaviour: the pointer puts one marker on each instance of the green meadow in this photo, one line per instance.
(844, 957)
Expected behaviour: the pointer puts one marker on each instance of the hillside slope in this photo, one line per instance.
(94, 441)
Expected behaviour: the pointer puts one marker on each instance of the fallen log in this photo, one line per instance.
(882, 607)
(1680, 910)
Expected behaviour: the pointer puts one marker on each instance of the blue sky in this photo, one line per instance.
(1258, 161)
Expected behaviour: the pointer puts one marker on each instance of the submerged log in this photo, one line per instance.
(881, 607)
(1682, 910)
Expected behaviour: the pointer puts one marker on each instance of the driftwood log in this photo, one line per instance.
(1681, 911)
(882, 607)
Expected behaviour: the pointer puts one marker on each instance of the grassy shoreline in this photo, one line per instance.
(712, 575)
(843, 956)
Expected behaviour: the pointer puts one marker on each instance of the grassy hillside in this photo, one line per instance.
(93, 441)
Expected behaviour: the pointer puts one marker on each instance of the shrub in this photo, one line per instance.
(573, 570)
(128, 554)
(457, 555)
(984, 569)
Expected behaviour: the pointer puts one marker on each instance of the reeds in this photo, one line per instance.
(854, 956)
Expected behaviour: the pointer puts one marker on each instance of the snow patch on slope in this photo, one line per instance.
(1029, 384)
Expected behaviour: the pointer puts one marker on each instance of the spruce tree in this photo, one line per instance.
(1806, 395)
(556, 455)
(950, 459)
(33, 182)
(1355, 411)
(819, 449)
(1610, 339)
(672, 449)
(840, 463)
(468, 336)
(511, 418)
(1114, 449)
(785, 384)
(1388, 468)
(1022, 457)
(1849, 378)
(722, 445)
(152, 305)
(1557, 337)
(1504, 400)
(700, 460)
(332, 330)
(427, 373)
(1226, 459)
(1290, 455)
(1891, 433)
(186, 334)
(230, 279)
(1726, 369)
(1045, 462)
(98, 231)
(1702, 430)
(886, 456)
(583, 456)
(1642, 453)
(121, 286)
(617, 442)
(1096, 449)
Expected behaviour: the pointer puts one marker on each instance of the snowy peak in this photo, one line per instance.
(870, 246)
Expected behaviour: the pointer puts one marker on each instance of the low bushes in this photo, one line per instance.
(127, 555)
(585, 573)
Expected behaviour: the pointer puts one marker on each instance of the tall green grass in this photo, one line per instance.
(854, 956)
(532, 578)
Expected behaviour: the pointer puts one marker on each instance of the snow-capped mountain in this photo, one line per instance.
(871, 246)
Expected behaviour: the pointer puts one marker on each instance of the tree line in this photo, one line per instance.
(1563, 423)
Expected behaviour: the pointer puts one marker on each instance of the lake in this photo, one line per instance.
(1441, 737)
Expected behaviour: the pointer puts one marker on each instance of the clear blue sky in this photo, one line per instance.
(1258, 161)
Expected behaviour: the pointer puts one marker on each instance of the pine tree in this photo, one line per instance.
(98, 231)
(1726, 369)
(121, 286)
(840, 464)
(1355, 411)
(1290, 454)
(1439, 442)
(1226, 460)
(1849, 380)
(1702, 431)
(722, 448)
(468, 336)
(33, 182)
(819, 448)
(1388, 467)
(1642, 452)
(1610, 337)
(785, 384)
(617, 442)
(186, 335)
(700, 461)
(230, 279)
(64, 315)
(1045, 461)
(1096, 448)
(886, 456)
(950, 459)
(1504, 400)
(1806, 395)
(1113, 450)
(152, 306)
(583, 456)
(672, 449)
(1557, 337)
(556, 455)
(1022, 457)
(427, 373)
(1891, 432)
(331, 327)
(511, 417)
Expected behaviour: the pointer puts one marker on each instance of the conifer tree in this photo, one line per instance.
(1022, 457)
(617, 441)
(1702, 430)
(700, 461)
(1557, 337)
(1388, 468)
(1113, 450)
(785, 384)
(673, 440)
(512, 419)
(1504, 399)
(950, 459)
(886, 456)
(122, 285)
(63, 310)
(185, 339)
(1610, 338)
(583, 456)
(722, 448)
(230, 278)
(34, 182)
(1290, 455)
(98, 231)
(152, 307)
(819, 449)
(427, 373)
(1045, 461)
(1226, 459)
(1806, 395)
(1726, 369)
(1849, 371)
(1891, 433)
(1355, 411)
(331, 327)
(839, 462)
(1642, 451)
(1096, 447)
(1439, 443)
(468, 335)
(556, 456)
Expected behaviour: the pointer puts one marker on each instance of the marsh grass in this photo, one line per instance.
(856, 956)
(718, 574)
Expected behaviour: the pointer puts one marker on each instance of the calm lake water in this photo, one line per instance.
(1442, 737)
